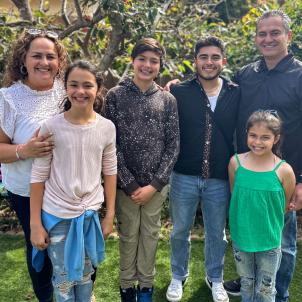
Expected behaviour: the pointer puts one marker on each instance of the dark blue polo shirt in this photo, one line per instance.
(277, 89)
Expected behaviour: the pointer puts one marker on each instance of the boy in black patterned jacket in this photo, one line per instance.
(146, 121)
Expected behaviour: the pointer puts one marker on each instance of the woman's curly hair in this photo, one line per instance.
(19, 50)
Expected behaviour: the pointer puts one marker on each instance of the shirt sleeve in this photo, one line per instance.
(169, 157)
(126, 180)
(109, 162)
(41, 165)
(8, 115)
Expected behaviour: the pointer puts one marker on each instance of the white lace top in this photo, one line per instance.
(22, 111)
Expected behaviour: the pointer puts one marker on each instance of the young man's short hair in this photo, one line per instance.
(209, 41)
(149, 44)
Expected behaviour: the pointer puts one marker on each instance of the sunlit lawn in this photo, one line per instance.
(15, 284)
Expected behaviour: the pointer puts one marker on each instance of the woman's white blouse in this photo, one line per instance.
(22, 111)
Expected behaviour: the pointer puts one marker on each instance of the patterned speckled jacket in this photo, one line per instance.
(147, 134)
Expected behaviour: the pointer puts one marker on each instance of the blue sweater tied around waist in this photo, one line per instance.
(84, 237)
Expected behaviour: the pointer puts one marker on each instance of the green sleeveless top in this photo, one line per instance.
(256, 214)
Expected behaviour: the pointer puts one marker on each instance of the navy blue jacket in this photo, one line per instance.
(192, 105)
(277, 89)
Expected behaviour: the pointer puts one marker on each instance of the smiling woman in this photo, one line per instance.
(41, 63)
(32, 93)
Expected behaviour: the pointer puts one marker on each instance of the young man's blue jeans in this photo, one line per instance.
(66, 290)
(257, 272)
(289, 249)
(186, 194)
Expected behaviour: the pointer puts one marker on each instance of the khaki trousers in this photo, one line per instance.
(138, 228)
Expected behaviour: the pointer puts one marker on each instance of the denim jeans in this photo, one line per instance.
(66, 290)
(187, 193)
(289, 250)
(41, 281)
(257, 272)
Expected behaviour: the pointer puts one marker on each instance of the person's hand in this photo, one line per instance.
(291, 206)
(107, 225)
(143, 194)
(37, 146)
(297, 198)
(170, 83)
(39, 237)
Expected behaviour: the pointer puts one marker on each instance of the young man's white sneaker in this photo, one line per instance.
(175, 290)
(218, 292)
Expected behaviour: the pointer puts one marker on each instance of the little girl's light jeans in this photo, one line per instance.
(257, 271)
(66, 290)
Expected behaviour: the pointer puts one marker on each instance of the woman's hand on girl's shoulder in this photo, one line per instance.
(37, 146)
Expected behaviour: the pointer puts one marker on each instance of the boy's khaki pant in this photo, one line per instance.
(138, 228)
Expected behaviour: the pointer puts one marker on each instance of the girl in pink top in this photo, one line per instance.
(66, 186)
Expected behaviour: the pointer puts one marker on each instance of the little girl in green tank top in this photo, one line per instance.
(262, 186)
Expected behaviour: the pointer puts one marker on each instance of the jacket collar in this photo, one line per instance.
(282, 66)
(129, 84)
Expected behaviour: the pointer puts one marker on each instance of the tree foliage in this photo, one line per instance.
(104, 31)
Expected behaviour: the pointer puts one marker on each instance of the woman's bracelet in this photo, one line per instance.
(17, 151)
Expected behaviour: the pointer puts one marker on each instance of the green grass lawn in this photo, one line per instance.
(15, 284)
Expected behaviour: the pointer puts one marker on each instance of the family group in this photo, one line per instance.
(232, 148)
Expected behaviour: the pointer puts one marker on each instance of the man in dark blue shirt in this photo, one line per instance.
(275, 83)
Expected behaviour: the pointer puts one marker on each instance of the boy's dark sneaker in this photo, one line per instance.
(232, 287)
(144, 294)
(128, 294)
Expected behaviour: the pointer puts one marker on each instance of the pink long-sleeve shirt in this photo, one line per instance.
(72, 174)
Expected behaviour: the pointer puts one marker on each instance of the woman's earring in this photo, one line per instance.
(23, 70)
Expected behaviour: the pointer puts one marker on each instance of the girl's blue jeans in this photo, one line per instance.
(66, 290)
(257, 271)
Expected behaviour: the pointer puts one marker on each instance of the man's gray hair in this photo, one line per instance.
(275, 13)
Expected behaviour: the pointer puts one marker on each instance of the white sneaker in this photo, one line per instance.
(218, 292)
(174, 291)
